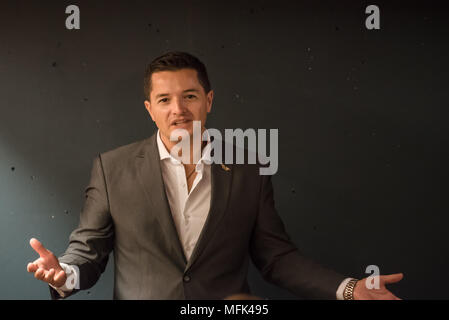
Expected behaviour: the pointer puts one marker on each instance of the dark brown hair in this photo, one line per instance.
(172, 61)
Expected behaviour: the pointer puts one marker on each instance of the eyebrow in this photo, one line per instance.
(160, 95)
(191, 90)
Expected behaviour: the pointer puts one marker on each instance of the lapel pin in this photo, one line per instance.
(224, 167)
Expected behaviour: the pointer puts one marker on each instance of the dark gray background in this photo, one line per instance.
(362, 118)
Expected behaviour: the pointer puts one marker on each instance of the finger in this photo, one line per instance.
(390, 296)
(59, 276)
(49, 275)
(31, 267)
(58, 280)
(392, 278)
(38, 247)
(393, 297)
(39, 274)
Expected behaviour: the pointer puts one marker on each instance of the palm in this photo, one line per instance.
(48, 263)
(46, 267)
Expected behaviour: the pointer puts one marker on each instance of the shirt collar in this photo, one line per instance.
(206, 152)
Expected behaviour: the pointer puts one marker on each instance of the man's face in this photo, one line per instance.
(176, 100)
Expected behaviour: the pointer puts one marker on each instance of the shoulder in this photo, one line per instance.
(125, 153)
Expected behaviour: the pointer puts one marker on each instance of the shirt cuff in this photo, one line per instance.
(341, 288)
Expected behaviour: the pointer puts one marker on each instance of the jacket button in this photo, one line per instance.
(186, 278)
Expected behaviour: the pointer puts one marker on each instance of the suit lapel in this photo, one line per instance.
(150, 176)
(220, 189)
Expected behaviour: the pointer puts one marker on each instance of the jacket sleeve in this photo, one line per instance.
(91, 243)
(279, 260)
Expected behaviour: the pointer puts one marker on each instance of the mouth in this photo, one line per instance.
(179, 122)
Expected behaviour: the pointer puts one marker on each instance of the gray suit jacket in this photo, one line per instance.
(126, 211)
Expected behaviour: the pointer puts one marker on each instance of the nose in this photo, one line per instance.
(178, 106)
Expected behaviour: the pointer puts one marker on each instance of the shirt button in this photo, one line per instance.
(186, 278)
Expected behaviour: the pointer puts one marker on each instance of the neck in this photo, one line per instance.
(170, 144)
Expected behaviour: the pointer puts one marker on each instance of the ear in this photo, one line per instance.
(148, 107)
(209, 98)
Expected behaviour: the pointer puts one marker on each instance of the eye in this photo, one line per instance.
(190, 96)
(163, 100)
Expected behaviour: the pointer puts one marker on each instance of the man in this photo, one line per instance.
(184, 230)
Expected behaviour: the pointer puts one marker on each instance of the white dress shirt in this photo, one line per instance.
(189, 209)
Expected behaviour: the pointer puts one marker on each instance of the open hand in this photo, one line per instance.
(361, 292)
(46, 267)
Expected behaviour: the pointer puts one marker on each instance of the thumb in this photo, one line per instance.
(392, 278)
(39, 248)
